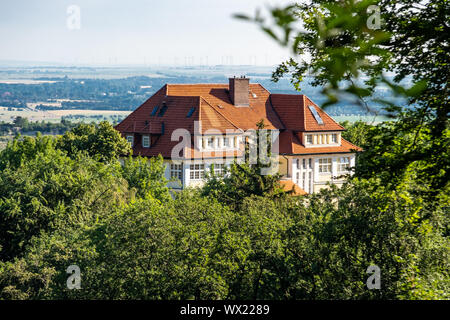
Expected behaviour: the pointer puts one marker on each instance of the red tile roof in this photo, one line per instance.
(293, 110)
(289, 185)
(212, 106)
(290, 144)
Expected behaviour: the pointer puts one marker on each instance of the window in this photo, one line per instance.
(309, 138)
(310, 163)
(190, 112)
(315, 114)
(176, 171)
(319, 139)
(343, 164)
(334, 138)
(303, 180)
(210, 142)
(325, 165)
(226, 142)
(298, 163)
(146, 141)
(197, 171)
(162, 111)
(310, 182)
(155, 109)
(304, 163)
(219, 169)
(130, 140)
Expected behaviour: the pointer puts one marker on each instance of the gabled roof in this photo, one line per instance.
(217, 96)
(294, 111)
(211, 106)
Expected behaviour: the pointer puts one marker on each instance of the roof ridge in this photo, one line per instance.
(197, 84)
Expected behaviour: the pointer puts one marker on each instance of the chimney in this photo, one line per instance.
(239, 91)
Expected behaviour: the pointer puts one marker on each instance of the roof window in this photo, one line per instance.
(316, 114)
(155, 109)
(190, 112)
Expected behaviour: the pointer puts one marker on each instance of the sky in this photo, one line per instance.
(135, 32)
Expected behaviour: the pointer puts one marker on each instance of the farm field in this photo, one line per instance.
(56, 115)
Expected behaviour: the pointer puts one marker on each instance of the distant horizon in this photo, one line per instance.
(36, 63)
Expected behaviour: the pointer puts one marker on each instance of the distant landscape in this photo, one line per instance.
(62, 95)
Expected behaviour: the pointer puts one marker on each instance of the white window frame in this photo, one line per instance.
(308, 138)
(144, 138)
(208, 145)
(197, 171)
(130, 139)
(334, 138)
(176, 171)
(219, 169)
(226, 142)
(344, 166)
(325, 165)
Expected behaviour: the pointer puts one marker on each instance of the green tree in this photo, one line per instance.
(146, 176)
(21, 122)
(102, 141)
(350, 57)
(51, 187)
(247, 178)
(356, 132)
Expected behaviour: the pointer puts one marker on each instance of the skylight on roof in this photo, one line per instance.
(162, 111)
(190, 112)
(316, 114)
(155, 109)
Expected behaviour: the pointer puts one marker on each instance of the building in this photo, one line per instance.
(214, 122)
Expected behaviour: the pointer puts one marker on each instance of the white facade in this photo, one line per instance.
(312, 172)
(309, 172)
(191, 173)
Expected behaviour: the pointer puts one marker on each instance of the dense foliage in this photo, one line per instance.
(233, 240)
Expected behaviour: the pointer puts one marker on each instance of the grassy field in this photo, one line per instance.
(55, 116)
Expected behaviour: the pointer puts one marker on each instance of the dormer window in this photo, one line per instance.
(226, 142)
(130, 139)
(210, 143)
(324, 138)
(146, 141)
